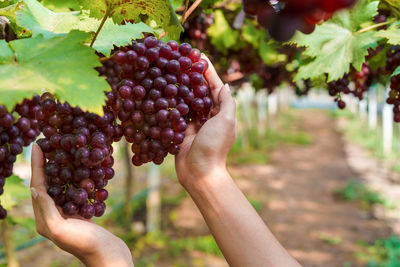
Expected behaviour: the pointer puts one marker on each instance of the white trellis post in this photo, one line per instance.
(262, 103)
(387, 127)
(362, 109)
(272, 108)
(246, 97)
(372, 107)
(154, 198)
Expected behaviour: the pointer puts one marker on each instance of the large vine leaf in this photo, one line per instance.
(41, 20)
(392, 35)
(60, 65)
(223, 37)
(338, 43)
(120, 35)
(14, 192)
(161, 11)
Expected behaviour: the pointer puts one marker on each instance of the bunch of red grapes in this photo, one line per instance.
(158, 89)
(78, 152)
(362, 81)
(285, 17)
(14, 135)
(393, 62)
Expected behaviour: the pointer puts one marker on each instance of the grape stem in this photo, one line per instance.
(184, 11)
(190, 10)
(100, 27)
(375, 26)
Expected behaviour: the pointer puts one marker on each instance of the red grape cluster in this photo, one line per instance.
(362, 81)
(78, 152)
(158, 89)
(14, 135)
(393, 61)
(283, 19)
(196, 29)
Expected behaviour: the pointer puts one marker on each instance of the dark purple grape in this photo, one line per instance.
(87, 211)
(185, 49)
(70, 208)
(173, 66)
(150, 42)
(170, 91)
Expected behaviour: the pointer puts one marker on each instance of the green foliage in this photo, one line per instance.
(392, 35)
(383, 252)
(356, 191)
(119, 35)
(41, 20)
(14, 192)
(329, 239)
(258, 38)
(222, 36)
(338, 43)
(160, 11)
(61, 65)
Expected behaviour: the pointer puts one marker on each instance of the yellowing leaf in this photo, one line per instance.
(160, 11)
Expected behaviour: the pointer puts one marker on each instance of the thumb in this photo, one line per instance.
(37, 162)
(227, 103)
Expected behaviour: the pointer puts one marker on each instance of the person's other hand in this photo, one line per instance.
(204, 150)
(89, 242)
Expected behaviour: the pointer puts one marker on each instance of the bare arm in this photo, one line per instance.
(242, 236)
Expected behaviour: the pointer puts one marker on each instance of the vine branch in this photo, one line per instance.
(375, 26)
(100, 27)
(184, 11)
(190, 10)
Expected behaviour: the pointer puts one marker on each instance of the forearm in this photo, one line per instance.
(242, 236)
(116, 253)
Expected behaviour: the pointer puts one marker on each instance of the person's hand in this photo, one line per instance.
(204, 150)
(89, 242)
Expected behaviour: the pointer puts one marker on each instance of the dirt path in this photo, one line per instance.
(299, 183)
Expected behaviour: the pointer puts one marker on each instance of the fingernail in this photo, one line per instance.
(34, 193)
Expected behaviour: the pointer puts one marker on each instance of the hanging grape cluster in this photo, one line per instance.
(362, 81)
(18, 128)
(393, 62)
(286, 16)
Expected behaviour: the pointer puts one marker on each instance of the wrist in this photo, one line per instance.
(205, 181)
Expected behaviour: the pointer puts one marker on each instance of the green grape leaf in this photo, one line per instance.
(393, 3)
(5, 3)
(251, 34)
(41, 20)
(61, 5)
(14, 192)
(392, 35)
(396, 71)
(119, 35)
(223, 37)
(161, 11)
(269, 54)
(379, 60)
(61, 65)
(338, 43)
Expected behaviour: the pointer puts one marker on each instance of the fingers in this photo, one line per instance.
(37, 163)
(227, 103)
(46, 213)
(214, 81)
